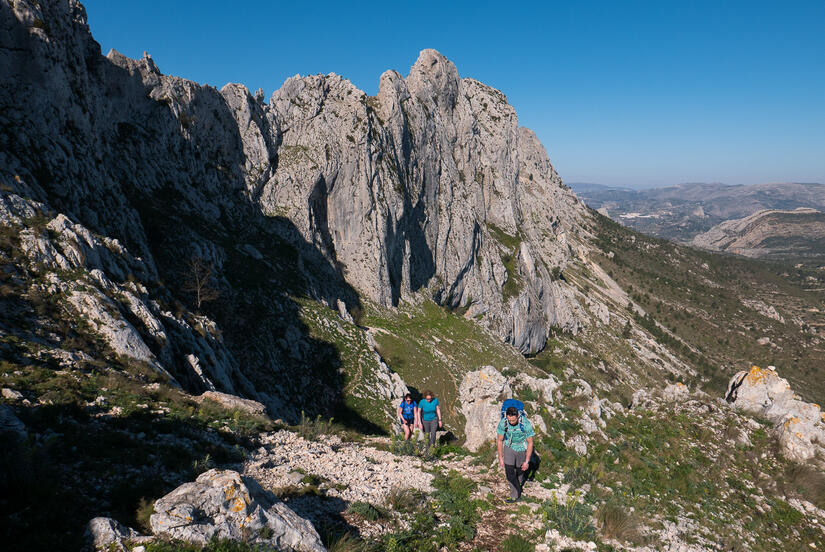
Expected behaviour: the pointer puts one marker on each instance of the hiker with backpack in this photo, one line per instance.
(515, 445)
(408, 414)
(430, 413)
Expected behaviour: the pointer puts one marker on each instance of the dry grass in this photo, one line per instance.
(616, 522)
(806, 482)
(404, 500)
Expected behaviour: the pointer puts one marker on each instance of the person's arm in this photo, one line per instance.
(400, 415)
(499, 445)
(438, 413)
(529, 454)
(417, 416)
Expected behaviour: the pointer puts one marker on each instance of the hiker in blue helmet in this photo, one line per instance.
(408, 414)
(515, 447)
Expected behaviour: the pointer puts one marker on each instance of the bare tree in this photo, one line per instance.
(198, 280)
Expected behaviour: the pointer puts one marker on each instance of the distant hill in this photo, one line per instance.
(769, 234)
(682, 212)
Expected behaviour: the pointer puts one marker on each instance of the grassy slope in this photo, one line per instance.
(432, 348)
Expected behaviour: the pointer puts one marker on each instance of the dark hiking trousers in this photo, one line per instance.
(430, 427)
(513, 461)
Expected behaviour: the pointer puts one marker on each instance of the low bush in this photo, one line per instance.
(405, 500)
(367, 511)
(573, 519)
(517, 543)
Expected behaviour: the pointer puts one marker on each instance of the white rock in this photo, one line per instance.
(222, 504)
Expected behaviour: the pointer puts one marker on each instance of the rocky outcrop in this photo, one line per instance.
(232, 402)
(224, 505)
(480, 396)
(799, 426)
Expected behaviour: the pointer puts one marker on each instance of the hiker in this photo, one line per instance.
(408, 414)
(430, 414)
(515, 447)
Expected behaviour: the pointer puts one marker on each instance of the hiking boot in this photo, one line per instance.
(511, 500)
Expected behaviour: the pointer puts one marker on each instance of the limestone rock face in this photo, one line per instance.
(431, 185)
(799, 425)
(222, 504)
(480, 396)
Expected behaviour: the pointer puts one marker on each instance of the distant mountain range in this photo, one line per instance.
(682, 212)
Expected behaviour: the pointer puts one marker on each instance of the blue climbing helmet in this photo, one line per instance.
(519, 406)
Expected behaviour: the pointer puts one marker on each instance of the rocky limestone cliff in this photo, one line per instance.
(430, 188)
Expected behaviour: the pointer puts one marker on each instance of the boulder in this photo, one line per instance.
(480, 395)
(544, 387)
(104, 533)
(800, 426)
(223, 504)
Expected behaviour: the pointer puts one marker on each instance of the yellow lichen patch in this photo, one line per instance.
(756, 375)
(679, 384)
(793, 420)
(239, 504)
(229, 492)
(798, 435)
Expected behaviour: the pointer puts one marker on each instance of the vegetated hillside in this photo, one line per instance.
(770, 234)
(681, 212)
(721, 312)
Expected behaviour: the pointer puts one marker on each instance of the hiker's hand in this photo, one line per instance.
(525, 466)
(501, 462)
(440, 425)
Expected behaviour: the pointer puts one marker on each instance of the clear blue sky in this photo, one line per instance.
(620, 92)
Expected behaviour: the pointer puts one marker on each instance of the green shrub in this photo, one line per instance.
(144, 511)
(367, 511)
(405, 500)
(517, 543)
(310, 429)
(573, 519)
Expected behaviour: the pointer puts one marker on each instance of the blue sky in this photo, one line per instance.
(620, 92)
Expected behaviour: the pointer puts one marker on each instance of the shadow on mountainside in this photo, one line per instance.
(159, 164)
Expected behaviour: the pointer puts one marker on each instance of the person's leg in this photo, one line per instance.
(520, 458)
(430, 427)
(407, 431)
(510, 472)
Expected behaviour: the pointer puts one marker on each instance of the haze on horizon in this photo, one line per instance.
(635, 94)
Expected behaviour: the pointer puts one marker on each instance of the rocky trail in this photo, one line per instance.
(347, 472)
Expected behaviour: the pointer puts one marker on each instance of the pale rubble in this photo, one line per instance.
(349, 477)
(799, 425)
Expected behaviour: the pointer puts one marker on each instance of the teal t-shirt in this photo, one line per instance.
(428, 409)
(516, 439)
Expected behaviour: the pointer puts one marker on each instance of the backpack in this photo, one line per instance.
(521, 415)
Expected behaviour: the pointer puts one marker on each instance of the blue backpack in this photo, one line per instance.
(518, 405)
